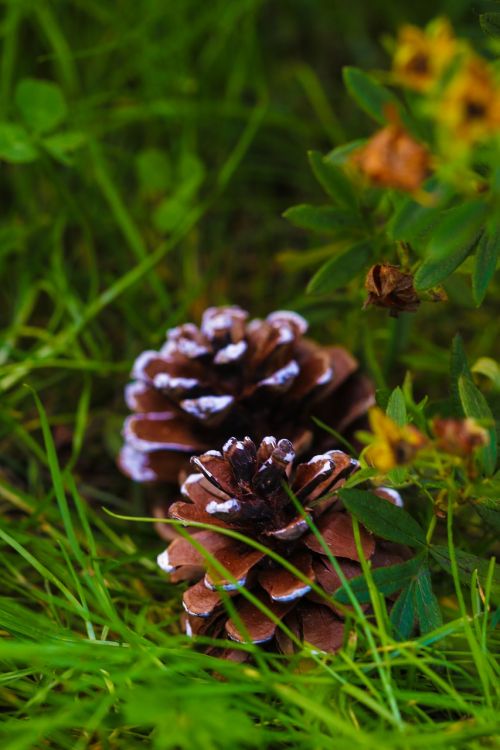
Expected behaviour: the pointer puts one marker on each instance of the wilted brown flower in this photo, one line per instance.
(232, 376)
(392, 158)
(391, 288)
(421, 56)
(247, 489)
(460, 437)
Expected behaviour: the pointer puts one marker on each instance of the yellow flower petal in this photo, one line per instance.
(383, 426)
(380, 455)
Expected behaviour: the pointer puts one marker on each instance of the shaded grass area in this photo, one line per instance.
(194, 122)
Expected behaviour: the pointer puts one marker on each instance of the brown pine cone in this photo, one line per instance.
(245, 489)
(230, 377)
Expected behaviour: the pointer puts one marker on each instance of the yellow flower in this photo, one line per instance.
(470, 106)
(393, 445)
(422, 56)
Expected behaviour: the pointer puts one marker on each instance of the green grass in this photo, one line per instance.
(98, 257)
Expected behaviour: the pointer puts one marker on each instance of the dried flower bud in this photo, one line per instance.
(391, 288)
(392, 158)
(460, 437)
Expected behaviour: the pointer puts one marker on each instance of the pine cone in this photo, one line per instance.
(234, 377)
(245, 489)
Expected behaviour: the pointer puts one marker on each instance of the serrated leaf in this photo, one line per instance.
(433, 272)
(466, 564)
(485, 263)
(403, 612)
(15, 144)
(475, 405)
(333, 181)
(387, 579)
(339, 270)
(489, 510)
(396, 407)
(490, 23)
(324, 219)
(41, 104)
(411, 221)
(383, 518)
(371, 96)
(426, 603)
(458, 227)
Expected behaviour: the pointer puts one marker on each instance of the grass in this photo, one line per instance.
(194, 120)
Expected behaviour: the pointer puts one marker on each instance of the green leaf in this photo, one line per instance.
(340, 155)
(403, 612)
(169, 213)
(411, 221)
(387, 579)
(489, 510)
(426, 603)
(485, 263)
(333, 181)
(15, 144)
(154, 171)
(396, 408)
(41, 104)
(458, 227)
(489, 488)
(490, 23)
(475, 405)
(371, 96)
(490, 369)
(466, 564)
(383, 518)
(433, 271)
(458, 366)
(323, 219)
(62, 145)
(338, 271)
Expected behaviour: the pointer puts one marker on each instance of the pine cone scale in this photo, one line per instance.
(321, 628)
(161, 431)
(282, 585)
(259, 627)
(336, 530)
(201, 601)
(328, 578)
(249, 489)
(232, 376)
(190, 513)
(238, 560)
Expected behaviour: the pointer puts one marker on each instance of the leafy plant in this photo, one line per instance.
(447, 164)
